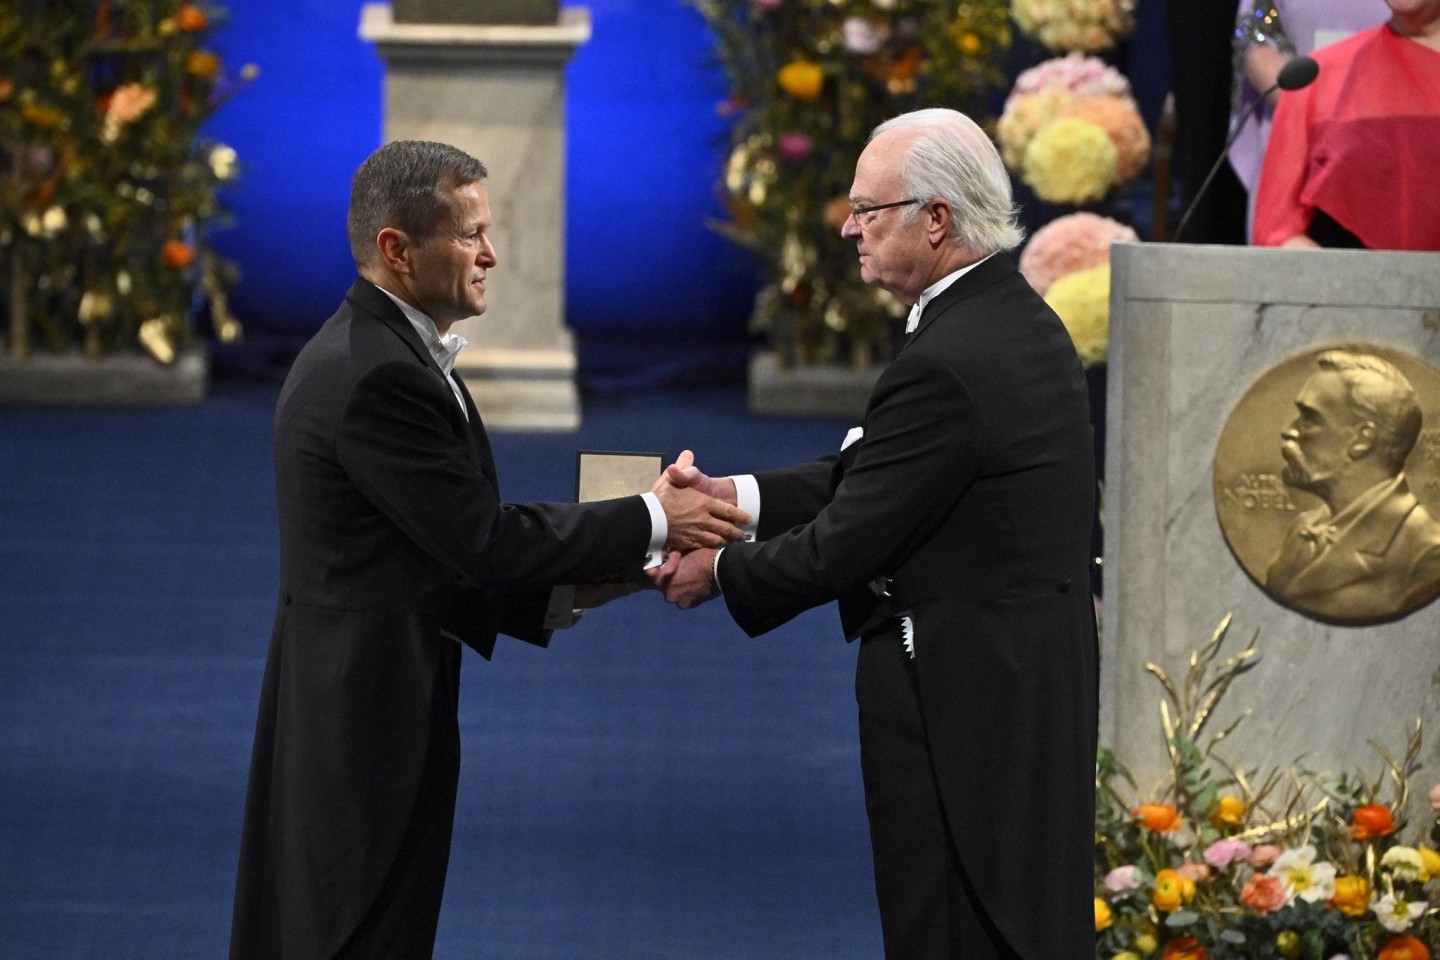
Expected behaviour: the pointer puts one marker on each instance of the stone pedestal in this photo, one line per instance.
(1192, 328)
(497, 92)
(821, 391)
(121, 379)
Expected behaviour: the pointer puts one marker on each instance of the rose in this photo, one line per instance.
(1121, 879)
(1169, 892)
(1352, 896)
(1264, 855)
(1103, 916)
(1184, 948)
(1228, 811)
(1222, 853)
(1435, 797)
(1159, 817)
(176, 253)
(802, 79)
(1404, 947)
(1264, 893)
(1194, 872)
(1371, 821)
(794, 147)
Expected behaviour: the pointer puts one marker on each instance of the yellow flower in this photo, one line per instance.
(802, 79)
(1082, 301)
(1146, 944)
(1228, 811)
(1169, 891)
(1126, 955)
(1070, 161)
(1430, 864)
(1103, 916)
(1352, 896)
(202, 63)
(1288, 943)
(1404, 862)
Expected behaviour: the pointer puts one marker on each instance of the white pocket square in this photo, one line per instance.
(855, 434)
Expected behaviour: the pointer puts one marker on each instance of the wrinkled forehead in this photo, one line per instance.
(877, 172)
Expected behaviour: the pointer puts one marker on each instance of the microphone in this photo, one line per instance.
(1296, 73)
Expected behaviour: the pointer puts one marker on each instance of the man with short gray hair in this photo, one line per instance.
(953, 526)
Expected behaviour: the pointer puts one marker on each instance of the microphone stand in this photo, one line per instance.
(1296, 73)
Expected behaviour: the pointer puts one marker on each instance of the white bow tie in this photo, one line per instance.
(448, 349)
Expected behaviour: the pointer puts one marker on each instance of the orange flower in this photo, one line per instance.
(1160, 817)
(177, 253)
(191, 18)
(1404, 947)
(802, 79)
(1352, 896)
(202, 63)
(1184, 948)
(1371, 821)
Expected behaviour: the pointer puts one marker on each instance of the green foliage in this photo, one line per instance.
(808, 80)
(108, 189)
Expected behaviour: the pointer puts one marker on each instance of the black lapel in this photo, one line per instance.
(983, 276)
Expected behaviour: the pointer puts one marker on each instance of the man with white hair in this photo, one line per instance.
(953, 526)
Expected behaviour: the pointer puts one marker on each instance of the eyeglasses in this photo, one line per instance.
(858, 212)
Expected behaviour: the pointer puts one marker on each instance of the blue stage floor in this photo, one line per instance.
(655, 785)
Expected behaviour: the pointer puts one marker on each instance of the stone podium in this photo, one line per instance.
(497, 92)
(1192, 328)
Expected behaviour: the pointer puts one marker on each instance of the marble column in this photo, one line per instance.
(497, 92)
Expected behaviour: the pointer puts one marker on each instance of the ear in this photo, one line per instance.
(1362, 441)
(938, 216)
(394, 246)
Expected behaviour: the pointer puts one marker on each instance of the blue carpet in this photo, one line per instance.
(655, 785)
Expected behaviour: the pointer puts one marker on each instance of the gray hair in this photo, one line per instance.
(1378, 392)
(952, 158)
(404, 185)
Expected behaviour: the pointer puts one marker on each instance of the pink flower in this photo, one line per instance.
(1069, 244)
(1222, 853)
(1194, 872)
(1435, 797)
(862, 36)
(1265, 893)
(1264, 855)
(794, 147)
(1121, 879)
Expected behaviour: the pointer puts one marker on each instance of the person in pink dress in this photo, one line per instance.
(1351, 158)
(1267, 34)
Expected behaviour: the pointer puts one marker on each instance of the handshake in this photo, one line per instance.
(702, 517)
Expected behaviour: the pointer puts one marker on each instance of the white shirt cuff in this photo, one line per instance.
(659, 530)
(747, 498)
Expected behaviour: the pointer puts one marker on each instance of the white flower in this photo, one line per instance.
(1311, 881)
(1395, 914)
(1404, 863)
(861, 36)
(223, 162)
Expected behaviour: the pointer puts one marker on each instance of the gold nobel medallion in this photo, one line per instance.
(1327, 483)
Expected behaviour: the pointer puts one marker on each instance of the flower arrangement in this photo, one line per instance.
(1082, 301)
(109, 190)
(809, 79)
(1076, 241)
(1237, 866)
(1067, 162)
(1087, 25)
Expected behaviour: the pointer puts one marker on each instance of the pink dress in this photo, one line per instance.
(1361, 144)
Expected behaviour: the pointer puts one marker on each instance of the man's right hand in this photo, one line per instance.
(696, 516)
(684, 473)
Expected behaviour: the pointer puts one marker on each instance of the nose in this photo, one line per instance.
(485, 255)
(850, 229)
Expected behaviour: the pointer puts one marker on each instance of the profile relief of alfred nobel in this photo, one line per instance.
(1372, 552)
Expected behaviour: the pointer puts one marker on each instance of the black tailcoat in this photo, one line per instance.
(972, 490)
(393, 543)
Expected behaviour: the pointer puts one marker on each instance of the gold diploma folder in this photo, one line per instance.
(605, 474)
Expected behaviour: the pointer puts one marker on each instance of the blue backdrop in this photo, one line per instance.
(652, 293)
(644, 148)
